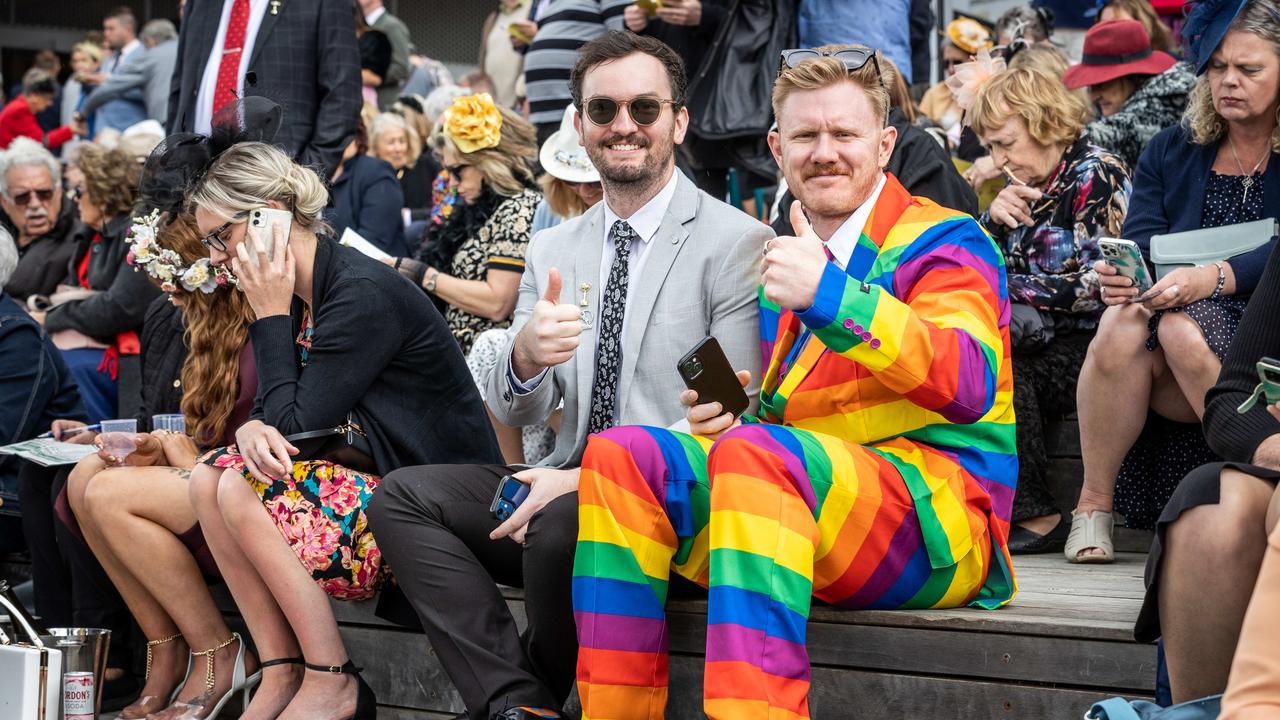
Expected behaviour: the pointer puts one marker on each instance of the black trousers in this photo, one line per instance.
(71, 588)
(432, 525)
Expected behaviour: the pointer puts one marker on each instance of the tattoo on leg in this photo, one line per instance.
(184, 474)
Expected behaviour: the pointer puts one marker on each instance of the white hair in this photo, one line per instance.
(8, 256)
(25, 152)
(441, 99)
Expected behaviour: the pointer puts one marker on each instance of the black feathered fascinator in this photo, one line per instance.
(178, 164)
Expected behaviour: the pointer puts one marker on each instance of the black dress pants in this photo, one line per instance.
(432, 524)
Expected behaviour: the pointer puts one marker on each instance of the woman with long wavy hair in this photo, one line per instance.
(134, 512)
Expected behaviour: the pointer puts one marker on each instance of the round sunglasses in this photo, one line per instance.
(643, 110)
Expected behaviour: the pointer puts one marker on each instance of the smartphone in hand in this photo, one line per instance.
(1126, 257)
(707, 371)
(261, 219)
(511, 492)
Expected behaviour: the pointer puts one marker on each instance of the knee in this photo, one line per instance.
(1120, 340)
(101, 497)
(1230, 530)
(234, 497)
(1177, 330)
(553, 531)
(412, 494)
(78, 482)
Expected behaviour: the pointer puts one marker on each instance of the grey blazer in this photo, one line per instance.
(150, 71)
(398, 33)
(699, 278)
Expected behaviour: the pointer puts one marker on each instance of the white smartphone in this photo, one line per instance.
(261, 219)
(1126, 257)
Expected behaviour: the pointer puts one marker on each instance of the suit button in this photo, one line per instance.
(506, 395)
(848, 323)
(866, 337)
(857, 330)
(875, 344)
(177, 383)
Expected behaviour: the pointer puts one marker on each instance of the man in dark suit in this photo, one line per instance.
(300, 53)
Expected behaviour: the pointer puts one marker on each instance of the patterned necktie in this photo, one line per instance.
(604, 390)
(227, 84)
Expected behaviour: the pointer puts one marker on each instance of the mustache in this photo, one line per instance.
(636, 139)
(824, 169)
(37, 214)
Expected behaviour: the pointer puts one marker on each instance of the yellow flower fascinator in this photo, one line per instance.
(474, 123)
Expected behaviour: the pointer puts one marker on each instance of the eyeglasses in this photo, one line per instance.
(215, 240)
(853, 58)
(456, 170)
(643, 110)
(44, 195)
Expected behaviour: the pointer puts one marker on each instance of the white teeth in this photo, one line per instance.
(624, 148)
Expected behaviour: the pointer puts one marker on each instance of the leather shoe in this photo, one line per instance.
(1025, 542)
(527, 713)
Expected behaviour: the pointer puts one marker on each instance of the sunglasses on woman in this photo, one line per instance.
(643, 110)
(853, 58)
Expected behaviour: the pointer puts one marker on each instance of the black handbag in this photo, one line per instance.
(346, 445)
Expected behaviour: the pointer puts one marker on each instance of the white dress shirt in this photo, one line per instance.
(209, 83)
(118, 57)
(845, 238)
(372, 17)
(645, 222)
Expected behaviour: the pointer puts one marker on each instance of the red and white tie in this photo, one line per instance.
(232, 50)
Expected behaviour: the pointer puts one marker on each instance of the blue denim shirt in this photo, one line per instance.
(881, 24)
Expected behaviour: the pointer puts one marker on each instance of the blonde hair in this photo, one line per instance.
(1054, 115)
(899, 93)
(508, 166)
(90, 49)
(247, 175)
(1042, 56)
(1143, 12)
(561, 197)
(1201, 118)
(387, 121)
(823, 72)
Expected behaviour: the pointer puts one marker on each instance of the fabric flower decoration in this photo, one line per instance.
(971, 76)
(473, 123)
(200, 277)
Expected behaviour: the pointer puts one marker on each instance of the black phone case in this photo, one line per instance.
(717, 381)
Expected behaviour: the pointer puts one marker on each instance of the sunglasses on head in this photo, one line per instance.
(853, 58)
(44, 195)
(643, 110)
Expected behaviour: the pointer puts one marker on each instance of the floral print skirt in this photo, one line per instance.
(320, 511)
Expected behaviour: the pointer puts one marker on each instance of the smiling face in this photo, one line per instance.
(831, 148)
(625, 152)
(1014, 150)
(393, 146)
(83, 63)
(1244, 78)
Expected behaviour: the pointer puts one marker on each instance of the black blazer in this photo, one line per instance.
(304, 57)
(380, 351)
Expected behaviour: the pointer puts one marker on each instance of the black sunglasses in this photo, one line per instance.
(44, 195)
(853, 58)
(643, 110)
(214, 239)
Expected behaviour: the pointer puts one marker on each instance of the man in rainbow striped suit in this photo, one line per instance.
(880, 469)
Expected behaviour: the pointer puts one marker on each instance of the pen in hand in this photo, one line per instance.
(73, 431)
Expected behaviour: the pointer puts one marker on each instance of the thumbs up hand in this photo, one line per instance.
(792, 267)
(552, 334)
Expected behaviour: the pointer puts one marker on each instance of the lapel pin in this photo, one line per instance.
(275, 7)
(585, 305)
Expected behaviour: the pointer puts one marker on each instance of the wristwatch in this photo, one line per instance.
(431, 280)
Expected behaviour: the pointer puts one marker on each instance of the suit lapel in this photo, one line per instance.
(264, 31)
(586, 269)
(661, 256)
(203, 30)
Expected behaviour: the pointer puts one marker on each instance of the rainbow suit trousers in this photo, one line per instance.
(878, 472)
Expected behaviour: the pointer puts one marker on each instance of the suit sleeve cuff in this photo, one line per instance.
(524, 388)
(842, 310)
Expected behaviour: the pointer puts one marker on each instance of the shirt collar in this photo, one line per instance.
(845, 238)
(648, 218)
(372, 17)
(134, 44)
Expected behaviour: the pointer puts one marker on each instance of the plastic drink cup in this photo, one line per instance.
(117, 437)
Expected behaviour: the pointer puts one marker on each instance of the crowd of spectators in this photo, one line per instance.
(498, 276)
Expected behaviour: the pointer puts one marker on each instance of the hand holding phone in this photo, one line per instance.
(1126, 257)
(511, 492)
(262, 219)
(712, 382)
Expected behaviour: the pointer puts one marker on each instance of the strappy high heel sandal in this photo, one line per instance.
(139, 708)
(239, 683)
(366, 701)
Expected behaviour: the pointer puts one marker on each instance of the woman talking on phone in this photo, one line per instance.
(339, 342)
(1140, 407)
(1063, 193)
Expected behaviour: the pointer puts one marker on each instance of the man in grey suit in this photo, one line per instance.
(397, 32)
(150, 71)
(608, 304)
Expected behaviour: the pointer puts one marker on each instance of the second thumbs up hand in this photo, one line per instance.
(793, 265)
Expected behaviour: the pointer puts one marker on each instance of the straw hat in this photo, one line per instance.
(969, 35)
(563, 156)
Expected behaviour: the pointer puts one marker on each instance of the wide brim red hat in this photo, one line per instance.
(1114, 49)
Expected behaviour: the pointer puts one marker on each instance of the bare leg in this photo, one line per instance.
(263, 616)
(1253, 692)
(510, 441)
(1212, 546)
(1194, 365)
(169, 659)
(322, 695)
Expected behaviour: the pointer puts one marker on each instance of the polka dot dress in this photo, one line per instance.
(1167, 451)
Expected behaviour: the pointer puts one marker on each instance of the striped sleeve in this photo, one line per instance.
(930, 331)
(508, 232)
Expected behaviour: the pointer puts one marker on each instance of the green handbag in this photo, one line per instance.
(1209, 245)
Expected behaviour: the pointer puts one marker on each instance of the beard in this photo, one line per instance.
(650, 170)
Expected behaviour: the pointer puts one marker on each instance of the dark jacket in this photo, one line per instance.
(375, 52)
(367, 198)
(36, 387)
(42, 264)
(416, 182)
(381, 351)
(920, 164)
(1168, 197)
(126, 294)
(691, 43)
(164, 350)
(304, 57)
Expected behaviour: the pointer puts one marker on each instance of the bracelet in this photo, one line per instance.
(1222, 281)
(431, 281)
(419, 273)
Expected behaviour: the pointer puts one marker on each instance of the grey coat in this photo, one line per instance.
(398, 33)
(150, 71)
(699, 278)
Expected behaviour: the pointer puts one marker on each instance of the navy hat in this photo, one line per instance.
(1206, 25)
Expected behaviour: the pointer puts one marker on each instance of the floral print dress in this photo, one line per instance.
(319, 509)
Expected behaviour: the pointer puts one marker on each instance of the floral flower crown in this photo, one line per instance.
(473, 123)
(166, 266)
